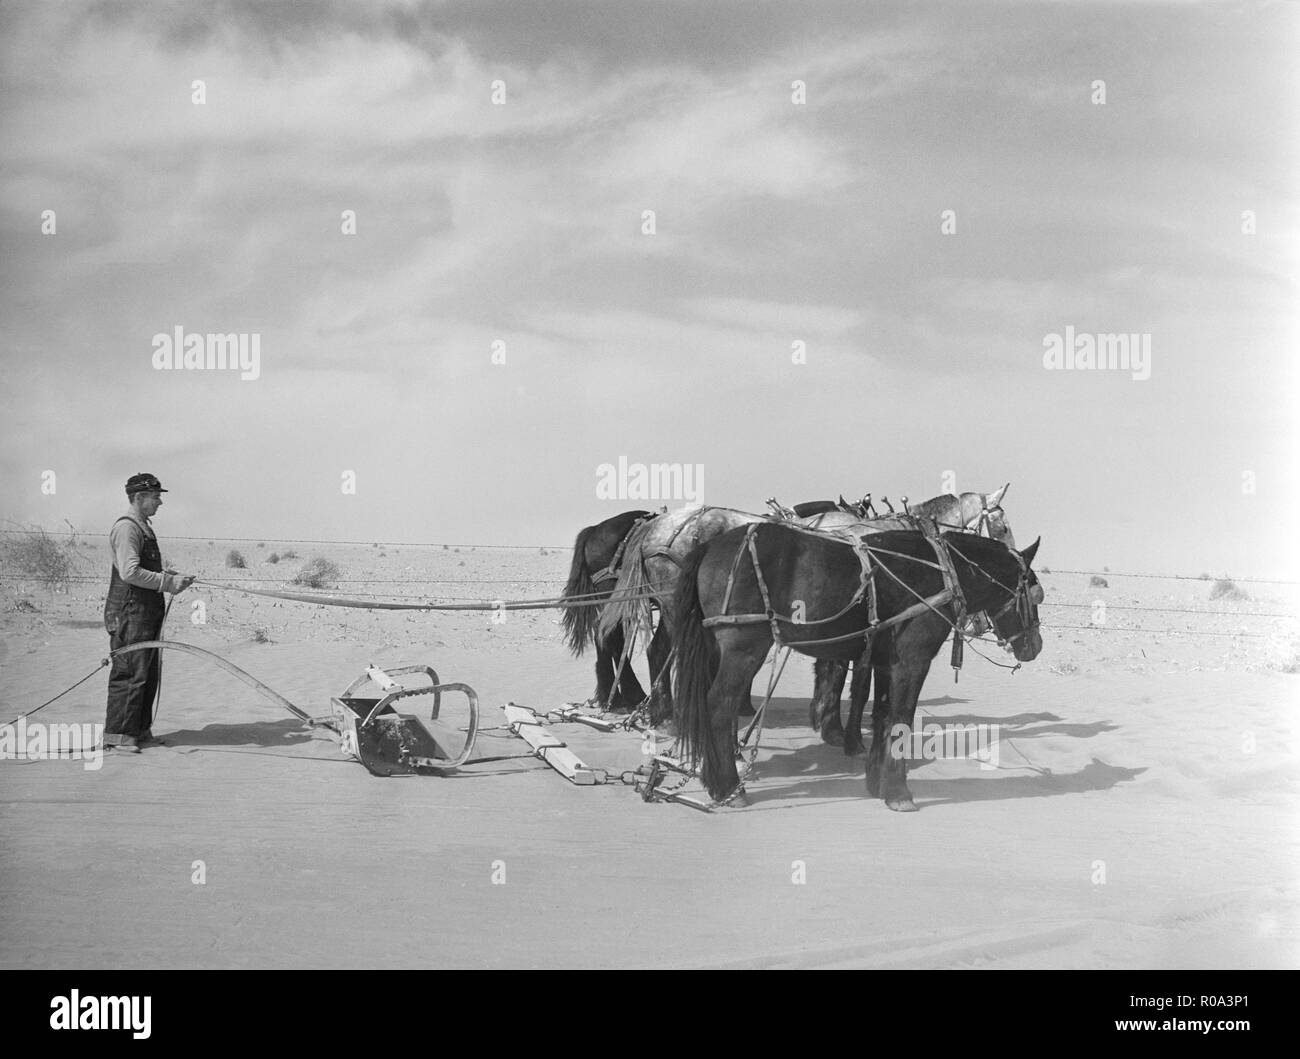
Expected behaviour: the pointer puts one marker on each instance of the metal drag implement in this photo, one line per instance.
(389, 743)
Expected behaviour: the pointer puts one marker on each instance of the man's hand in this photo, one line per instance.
(181, 581)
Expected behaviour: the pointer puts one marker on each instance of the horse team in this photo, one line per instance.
(825, 580)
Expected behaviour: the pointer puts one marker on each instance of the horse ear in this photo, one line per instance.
(1029, 553)
(996, 498)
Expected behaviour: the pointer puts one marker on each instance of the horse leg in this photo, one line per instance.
(740, 656)
(604, 676)
(880, 673)
(858, 691)
(881, 744)
(824, 710)
(746, 707)
(630, 694)
(882, 657)
(892, 726)
(658, 651)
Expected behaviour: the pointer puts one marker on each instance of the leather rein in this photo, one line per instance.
(868, 565)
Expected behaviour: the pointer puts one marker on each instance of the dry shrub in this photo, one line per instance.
(1225, 589)
(36, 556)
(235, 560)
(1098, 582)
(317, 573)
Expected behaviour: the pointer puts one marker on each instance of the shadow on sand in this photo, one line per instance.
(823, 772)
(252, 737)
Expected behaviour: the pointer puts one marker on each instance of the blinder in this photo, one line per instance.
(991, 523)
(1023, 601)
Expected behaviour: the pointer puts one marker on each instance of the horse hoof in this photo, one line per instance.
(854, 749)
(833, 737)
(901, 805)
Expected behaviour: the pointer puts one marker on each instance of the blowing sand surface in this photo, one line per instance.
(1143, 812)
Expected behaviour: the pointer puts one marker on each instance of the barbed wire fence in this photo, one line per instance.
(233, 578)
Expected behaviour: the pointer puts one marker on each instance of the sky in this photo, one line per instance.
(805, 319)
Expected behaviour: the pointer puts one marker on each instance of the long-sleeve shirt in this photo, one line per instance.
(125, 539)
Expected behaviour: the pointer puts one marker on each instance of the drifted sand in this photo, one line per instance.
(1165, 765)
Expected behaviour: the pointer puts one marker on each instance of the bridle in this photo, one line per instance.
(983, 523)
(1024, 604)
(1021, 598)
(990, 522)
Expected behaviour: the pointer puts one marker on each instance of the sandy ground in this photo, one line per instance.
(1144, 813)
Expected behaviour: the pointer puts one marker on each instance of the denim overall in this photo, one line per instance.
(132, 615)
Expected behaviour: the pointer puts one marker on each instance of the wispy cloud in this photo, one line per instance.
(522, 224)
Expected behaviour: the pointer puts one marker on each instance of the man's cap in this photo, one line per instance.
(143, 483)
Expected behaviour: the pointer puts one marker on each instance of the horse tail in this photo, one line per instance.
(629, 605)
(694, 664)
(579, 621)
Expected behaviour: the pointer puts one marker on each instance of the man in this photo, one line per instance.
(134, 613)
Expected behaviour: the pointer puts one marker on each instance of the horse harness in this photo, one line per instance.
(868, 565)
(695, 520)
(610, 572)
(866, 589)
(982, 523)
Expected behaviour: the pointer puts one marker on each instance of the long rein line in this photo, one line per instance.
(588, 599)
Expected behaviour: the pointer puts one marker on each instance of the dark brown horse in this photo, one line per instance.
(980, 513)
(817, 595)
(597, 554)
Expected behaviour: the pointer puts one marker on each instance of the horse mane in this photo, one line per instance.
(629, 603)
(935, 506)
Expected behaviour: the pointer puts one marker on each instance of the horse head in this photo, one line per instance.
(1002, 591)
(1016, 623)
(983, 513)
